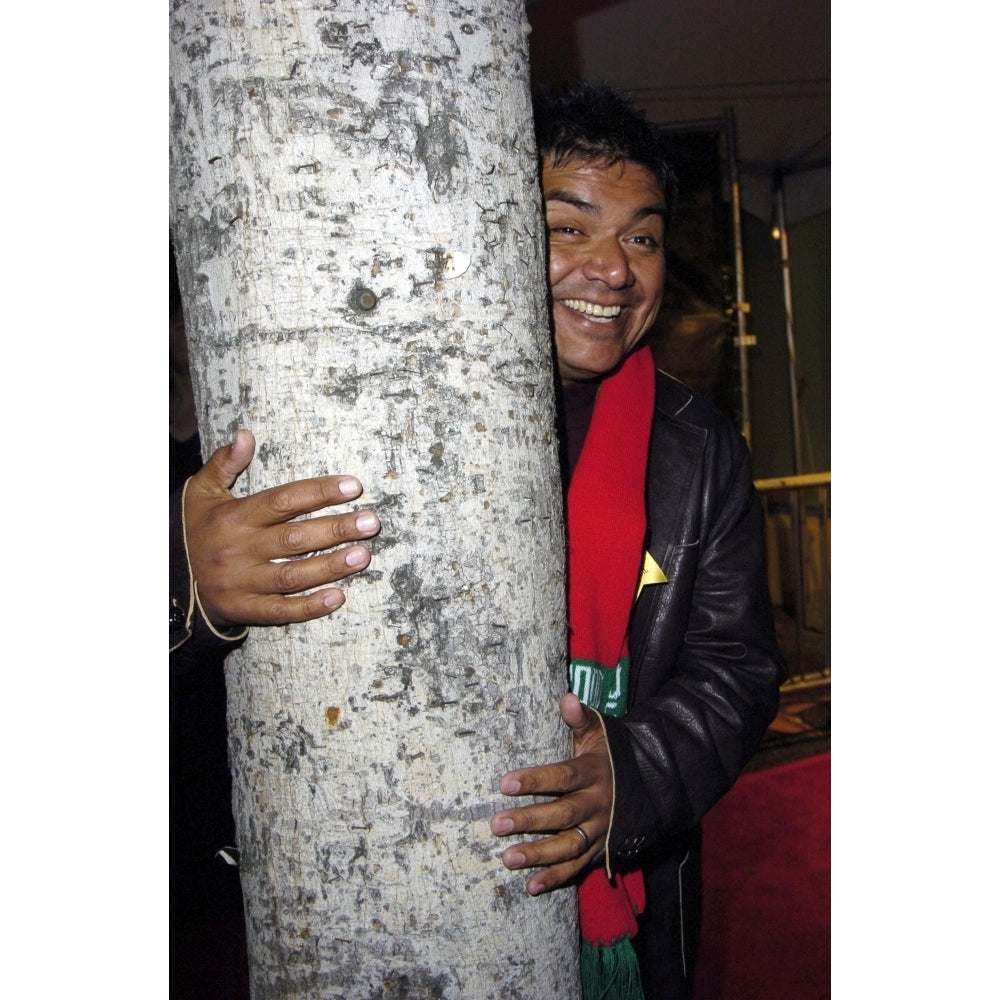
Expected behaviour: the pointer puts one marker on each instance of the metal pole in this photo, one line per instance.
(741, 305)
(786, 275)
(793, 375)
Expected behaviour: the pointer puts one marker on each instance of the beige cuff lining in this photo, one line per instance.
(607, 836)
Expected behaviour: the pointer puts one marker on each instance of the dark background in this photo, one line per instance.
(692, 65)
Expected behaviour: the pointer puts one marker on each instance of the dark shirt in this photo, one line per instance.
(578, 400)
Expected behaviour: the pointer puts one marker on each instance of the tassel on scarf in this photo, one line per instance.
(610, 971)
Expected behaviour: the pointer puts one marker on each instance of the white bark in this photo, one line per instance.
(355, 206)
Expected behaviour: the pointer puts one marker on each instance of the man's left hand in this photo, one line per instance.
(584, 789)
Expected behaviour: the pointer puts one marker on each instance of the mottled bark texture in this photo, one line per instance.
(354, 202)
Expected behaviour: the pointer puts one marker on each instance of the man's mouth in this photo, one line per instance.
(591, 309)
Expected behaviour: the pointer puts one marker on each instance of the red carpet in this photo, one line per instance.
(766, 922)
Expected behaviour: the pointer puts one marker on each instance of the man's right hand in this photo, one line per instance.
(232, 541)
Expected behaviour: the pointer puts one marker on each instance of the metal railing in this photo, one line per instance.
(797, 515)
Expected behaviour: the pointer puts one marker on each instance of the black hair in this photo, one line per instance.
(597, 122)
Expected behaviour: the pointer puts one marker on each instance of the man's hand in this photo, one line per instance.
(232, 542)
(583, 786)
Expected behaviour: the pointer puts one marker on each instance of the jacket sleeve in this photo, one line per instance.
(710, 665)
(192, 639)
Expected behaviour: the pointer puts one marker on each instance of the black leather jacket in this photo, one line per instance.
(705, 672)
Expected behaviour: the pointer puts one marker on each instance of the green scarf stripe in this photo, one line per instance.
(603, 688)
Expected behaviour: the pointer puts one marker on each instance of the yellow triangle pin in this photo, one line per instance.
(651, 574)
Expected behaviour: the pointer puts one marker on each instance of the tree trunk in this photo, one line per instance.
(354, 202)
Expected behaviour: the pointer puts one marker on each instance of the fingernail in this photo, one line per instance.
(513, 860)
(366, 521)
(503, 825)
(356, 556)
(510, 786)
(333, 600)
(350, 486)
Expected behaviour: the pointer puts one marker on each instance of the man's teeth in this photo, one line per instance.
(590, 309)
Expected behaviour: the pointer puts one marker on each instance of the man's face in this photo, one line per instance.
(606, 263)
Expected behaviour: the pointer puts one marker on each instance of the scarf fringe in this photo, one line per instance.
(610, 972)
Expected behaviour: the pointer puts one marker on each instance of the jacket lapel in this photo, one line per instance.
(675, 455)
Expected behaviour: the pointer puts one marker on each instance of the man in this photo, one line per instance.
(685, 672)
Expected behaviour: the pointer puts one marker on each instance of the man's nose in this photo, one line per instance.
(608, 262)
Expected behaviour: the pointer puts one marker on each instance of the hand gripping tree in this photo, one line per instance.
(354, 204)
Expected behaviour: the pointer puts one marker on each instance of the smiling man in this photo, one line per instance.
(671, 633)
(673, 666)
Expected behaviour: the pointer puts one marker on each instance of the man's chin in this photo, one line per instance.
(589, 369)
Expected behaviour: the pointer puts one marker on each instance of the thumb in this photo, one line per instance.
(226, 464)
(577, 716)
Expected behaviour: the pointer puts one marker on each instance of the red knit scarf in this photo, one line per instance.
(606, 520)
